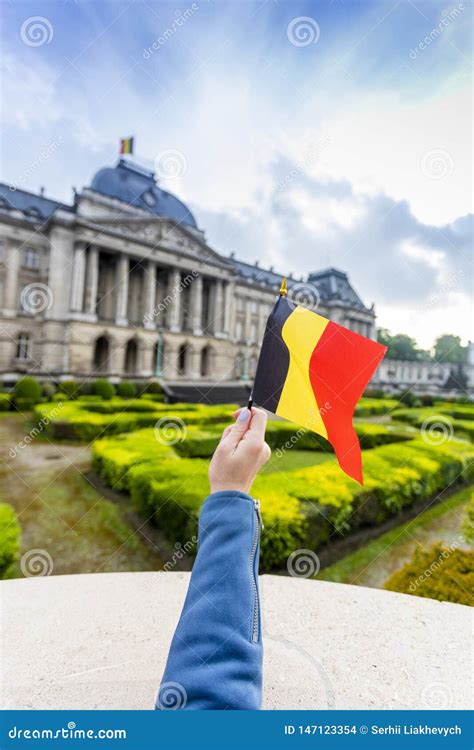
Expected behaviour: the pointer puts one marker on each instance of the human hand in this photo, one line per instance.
(241, 452)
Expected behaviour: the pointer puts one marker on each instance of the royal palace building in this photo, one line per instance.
(123, 284)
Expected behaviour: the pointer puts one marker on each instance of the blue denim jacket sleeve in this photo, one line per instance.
(215, 659)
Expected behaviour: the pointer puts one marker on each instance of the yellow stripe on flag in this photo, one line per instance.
(301, 332)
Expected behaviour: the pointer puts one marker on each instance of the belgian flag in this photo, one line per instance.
(126, 145)
(313, 371)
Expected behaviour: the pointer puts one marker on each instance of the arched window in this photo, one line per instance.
(101, 354)
(253, 365)
(183, 357)
(239, 365)
(23, 346)
(206, 362)
(131, 357)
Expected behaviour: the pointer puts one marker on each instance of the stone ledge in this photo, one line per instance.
(100, 641)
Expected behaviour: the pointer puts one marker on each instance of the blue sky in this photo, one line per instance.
(305, 134)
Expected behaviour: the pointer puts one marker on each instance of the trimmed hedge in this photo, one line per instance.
(9, 538)
(88, 420)
(104, 388)
(202, 442)
(437, 420)
(114, 457)
(443, 573)
(368, 407)
(5, 401)
(126, 389)
(468, 525)
(27, 393)
(302, 508)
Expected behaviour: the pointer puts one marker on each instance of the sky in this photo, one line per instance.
(301, 134)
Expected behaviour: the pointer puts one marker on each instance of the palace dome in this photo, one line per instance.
(135, 185)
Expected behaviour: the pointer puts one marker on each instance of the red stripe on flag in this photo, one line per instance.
(340, 367)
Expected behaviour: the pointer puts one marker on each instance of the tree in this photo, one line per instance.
(401, 346)
(447, 348)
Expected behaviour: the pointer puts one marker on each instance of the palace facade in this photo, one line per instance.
(123, 284)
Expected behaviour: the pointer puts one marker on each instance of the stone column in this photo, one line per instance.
(248, 314)
(149, 317)
(229, 290)
(145, 358)
(122, 290)
(196, 305)
(61, 256)
(10, 294)
(219, 308)
(262, 321)
(78, 278)
(174, 300)
(195, 368)
(92, 280)
(170, 361)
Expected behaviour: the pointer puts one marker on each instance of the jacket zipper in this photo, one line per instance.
(256, 539)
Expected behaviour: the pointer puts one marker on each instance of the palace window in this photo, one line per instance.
(23, 346)
(31, 257)
(253, 333)
(239, 330)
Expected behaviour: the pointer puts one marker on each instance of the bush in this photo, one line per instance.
(443, 573)
(126, 390)
(86, 389)
(5, 401)
(369, 406)
(427, 400)
(104, 389)
(302, 508)
(9, 538)
(409, 399)
(438, 419)
(27, 393)
(70, 389)
(48, 391)
(468, 525)
(153, 387)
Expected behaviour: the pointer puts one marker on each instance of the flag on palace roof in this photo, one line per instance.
(313, 372)
(126, 145)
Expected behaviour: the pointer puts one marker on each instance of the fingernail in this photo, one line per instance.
(244, 415)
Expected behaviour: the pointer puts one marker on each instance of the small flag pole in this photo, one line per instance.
(282, 293)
